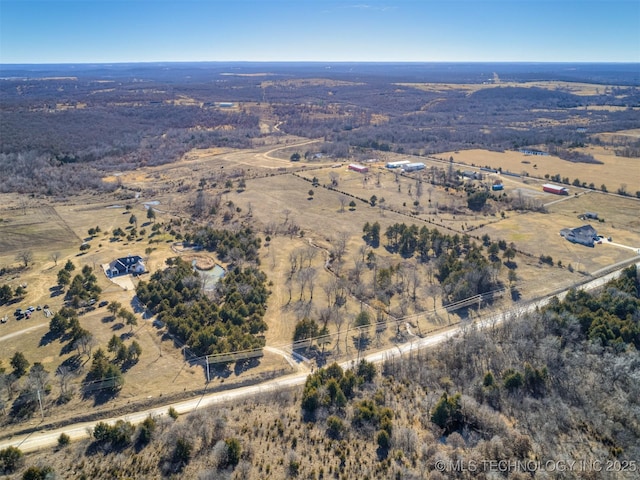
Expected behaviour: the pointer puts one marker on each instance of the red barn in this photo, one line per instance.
(557, 189)
(358, 168)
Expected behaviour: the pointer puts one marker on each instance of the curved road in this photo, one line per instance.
(43, 439)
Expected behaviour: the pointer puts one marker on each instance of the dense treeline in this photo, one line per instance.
(232, 321)
(89, 134)
(51, 151)
(431, 123)
(229, 246)
(31, 172)
(610, 317)
(568, 391)
(462, 268)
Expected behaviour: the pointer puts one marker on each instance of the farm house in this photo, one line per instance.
(358, 168)
(557, 189)
(413, 167)
(130, 264)
(397, 164)
(584, 235)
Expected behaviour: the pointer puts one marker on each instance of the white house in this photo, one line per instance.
(125, 265)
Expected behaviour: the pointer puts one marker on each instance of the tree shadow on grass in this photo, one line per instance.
(361, 342)
(220, 370)
(515, 294)
(56, 291)
(126, 336)
(101, 391)
(67, 348)
(48, 338)
(382, 453)
(245, 365)
(73, 363)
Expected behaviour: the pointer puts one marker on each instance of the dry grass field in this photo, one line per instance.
(613, 172)
(277, 195)
(575, 88)
(34, 228)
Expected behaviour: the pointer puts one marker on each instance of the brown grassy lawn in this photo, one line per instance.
(620, 214)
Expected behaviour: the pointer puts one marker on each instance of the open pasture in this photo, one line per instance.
(620, 215)
(34, 228)
(539, 234)
(575, 88)
(613, 172)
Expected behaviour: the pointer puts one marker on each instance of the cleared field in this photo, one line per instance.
(620, 215)
(584, 89)
(613, 172)
(36, 228)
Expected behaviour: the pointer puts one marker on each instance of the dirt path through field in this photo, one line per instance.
(20, 332)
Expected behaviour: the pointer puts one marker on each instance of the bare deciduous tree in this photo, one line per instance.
(338, 320)
(330, 289)
(309, 254)
(286, 213)
(55, 256)
(305, 277)
(26, 257)
(343, 201)
(335, 178)
(357, 270)
(200, 204)
(340, 245)
(64, 375)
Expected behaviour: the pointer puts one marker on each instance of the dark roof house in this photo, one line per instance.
(584, 235)
(125, 265)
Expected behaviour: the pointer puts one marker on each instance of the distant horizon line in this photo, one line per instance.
(341, 62)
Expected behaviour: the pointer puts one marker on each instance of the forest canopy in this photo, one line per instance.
(231, 321)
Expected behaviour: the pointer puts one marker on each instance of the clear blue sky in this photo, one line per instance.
(88, 31)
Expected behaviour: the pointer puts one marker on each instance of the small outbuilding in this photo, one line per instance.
(398, 164)
(472, 175)
(413, 167)
(358, 168)
(557, 189)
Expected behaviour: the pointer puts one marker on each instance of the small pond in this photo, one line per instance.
(211, 276)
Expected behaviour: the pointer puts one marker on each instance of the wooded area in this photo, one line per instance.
(521, 399)
(60, 135)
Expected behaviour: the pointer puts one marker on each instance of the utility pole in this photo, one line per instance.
(40, 403)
